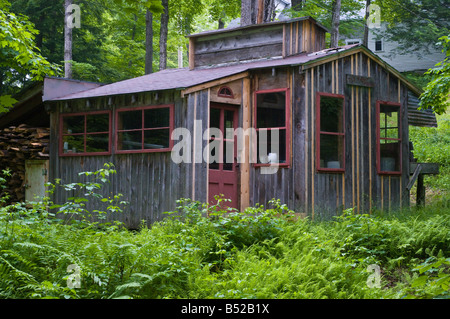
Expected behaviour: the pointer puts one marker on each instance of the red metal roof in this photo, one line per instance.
(183, 78)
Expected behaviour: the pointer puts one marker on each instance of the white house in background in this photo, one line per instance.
(402, 62)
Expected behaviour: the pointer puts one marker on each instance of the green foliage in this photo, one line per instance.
(432, 145)
(436, 93)
(86, 191)
(434, 275)
(414, 25)
(207, 251)
(19, 56)
(212, 251)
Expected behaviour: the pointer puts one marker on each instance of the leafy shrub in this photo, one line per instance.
(208, 251)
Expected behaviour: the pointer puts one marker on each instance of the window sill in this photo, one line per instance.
(84, 154)
(330, 170)
(283, 165)
(165, 150)
(390, 173)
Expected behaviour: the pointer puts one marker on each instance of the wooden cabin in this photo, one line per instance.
(341, 116)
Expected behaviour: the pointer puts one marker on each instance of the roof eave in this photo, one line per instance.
(361, 48)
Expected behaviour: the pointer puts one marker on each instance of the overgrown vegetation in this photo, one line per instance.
(209, 252)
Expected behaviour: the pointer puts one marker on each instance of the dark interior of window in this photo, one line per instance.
(144, 129)
(87, 133)
(271, 127)
(390, 141)
(378, 45)
(331, 133)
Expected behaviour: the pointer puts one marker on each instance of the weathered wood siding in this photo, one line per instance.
(360, 186)
(264, 187)
(302, 36)
(239, 45)
(250, 43)
(150, 182)
(322, 194)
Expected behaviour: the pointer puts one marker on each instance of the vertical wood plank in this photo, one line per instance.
(245, 163)
(306, 152)
(312, 141)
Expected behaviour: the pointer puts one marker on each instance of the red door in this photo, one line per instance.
(223, 167)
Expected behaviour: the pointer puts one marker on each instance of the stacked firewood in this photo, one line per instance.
(18, 144)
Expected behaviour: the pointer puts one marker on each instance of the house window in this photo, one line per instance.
(352, 41)
(388, 138)
(378, 45)
(85, 134)
(145, 129)
(272, 126)
(225, 91)
(330, 132)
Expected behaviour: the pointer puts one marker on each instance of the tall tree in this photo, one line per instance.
(366, 26)
(248, 12)
(436, 93)
(257, 11)
(415, 25)
(148, 42)
(67, 40)
(163, 35)
(20, 59)
(335, 19)
(297, 5)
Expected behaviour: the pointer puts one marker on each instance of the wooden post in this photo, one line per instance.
(191, 54)
(245, 161)
(420, 197)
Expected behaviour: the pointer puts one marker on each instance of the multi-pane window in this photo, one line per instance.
(222, 143)
(146, 129)
(378, 45)
(330, 132)
(85, 134)
(388, 138)
(272, 126)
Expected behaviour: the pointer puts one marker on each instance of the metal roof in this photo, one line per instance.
(183, 78)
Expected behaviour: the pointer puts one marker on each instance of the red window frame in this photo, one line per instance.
(286, 127)
(231, 95)
(85, 133)
(143, 108)
(319, 132)
(379, 138)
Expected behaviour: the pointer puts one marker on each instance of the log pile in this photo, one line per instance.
(18, 144)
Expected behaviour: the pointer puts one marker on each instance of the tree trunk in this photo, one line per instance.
(297, 5)
(148, 42)
(67, 41)
(261, 9)
(163, 36)
(269, 10)
(246, 12)
(366, 27)
(250, 13)
(335, 23)
(133, 36)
